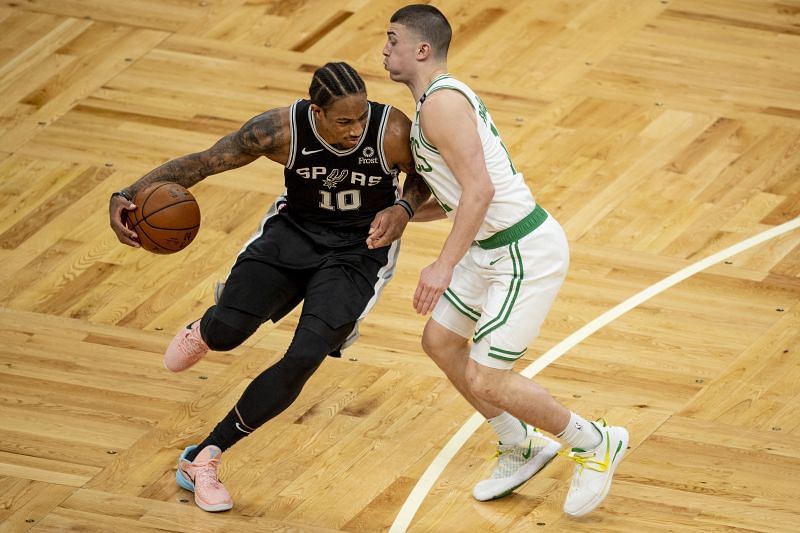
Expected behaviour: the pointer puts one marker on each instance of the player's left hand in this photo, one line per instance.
(387, 226)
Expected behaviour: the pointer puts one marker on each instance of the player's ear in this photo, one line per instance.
(424, 50)
(316, 109)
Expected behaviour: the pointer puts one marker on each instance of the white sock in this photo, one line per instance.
(510, 430)
(580, 433)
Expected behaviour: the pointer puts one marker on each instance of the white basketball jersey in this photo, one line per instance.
(512, 200)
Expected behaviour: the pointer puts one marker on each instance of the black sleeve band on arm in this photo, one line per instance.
(123, 194)
(405, 205)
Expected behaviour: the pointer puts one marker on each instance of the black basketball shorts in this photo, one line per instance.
(331, 271)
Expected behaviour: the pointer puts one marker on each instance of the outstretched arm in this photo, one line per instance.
(264, 135)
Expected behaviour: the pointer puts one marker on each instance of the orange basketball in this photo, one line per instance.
(166, 219)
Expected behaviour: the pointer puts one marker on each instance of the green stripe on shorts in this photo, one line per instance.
(511, 296)
(461, 307)
(505, 355)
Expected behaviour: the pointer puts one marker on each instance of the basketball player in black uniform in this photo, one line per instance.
(328, 241)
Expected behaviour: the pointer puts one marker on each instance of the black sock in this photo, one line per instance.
(228, 432)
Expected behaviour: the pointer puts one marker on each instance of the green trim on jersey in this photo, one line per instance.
(437, 78)
(443, 205)
(511, 296)
(423, 141)
(481, 109)
(420, 163)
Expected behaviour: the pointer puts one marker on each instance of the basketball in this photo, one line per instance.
(166, 218)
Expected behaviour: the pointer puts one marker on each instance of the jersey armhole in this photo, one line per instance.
(292, 135)
(429, 145)
(381, 139)
(457, 89)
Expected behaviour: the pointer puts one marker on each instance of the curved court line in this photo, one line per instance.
(437, 466)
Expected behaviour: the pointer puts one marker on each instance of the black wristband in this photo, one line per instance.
(123, 194)
(405, 205)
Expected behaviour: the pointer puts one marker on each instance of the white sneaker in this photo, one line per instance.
(516, 464)
(592, 478)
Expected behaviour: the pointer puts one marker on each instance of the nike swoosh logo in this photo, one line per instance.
(527, 454)
(309, 152)
(240, 428)
(619, 447)
(496, 260)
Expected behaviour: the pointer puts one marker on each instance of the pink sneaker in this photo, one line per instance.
(186, 348)
(200, 477)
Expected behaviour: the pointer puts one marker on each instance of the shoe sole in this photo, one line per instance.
(213, 508)
(589, 507)
(180, 369)
(549, 452)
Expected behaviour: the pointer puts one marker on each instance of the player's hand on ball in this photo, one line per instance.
(166, 219)
(118, 208)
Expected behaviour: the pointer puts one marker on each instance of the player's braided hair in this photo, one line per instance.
(333, 81)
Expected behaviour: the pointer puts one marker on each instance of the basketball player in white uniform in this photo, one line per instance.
(497, 274)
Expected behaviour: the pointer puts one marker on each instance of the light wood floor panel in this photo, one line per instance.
(658, 132)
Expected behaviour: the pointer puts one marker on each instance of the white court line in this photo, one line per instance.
(437, 466)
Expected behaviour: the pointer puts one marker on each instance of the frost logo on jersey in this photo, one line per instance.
(367, 156)
(335, 177)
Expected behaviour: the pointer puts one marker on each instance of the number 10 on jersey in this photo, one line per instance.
(348, 200)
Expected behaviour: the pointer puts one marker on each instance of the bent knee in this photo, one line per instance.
(312, 342)
(483, 382)
(223, 342)
(221, 337)
(430, 346)
(437, 341)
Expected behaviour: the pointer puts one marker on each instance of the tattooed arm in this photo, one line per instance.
(264, 135)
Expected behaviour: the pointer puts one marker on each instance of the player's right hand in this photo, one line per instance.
(387, 226)
(433, 281)
(118, 208)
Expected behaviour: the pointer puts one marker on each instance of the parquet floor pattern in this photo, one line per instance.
(658, 132)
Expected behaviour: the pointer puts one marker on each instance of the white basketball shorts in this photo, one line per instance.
(500, 297)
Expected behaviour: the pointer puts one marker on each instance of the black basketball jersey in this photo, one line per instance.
(340, 188)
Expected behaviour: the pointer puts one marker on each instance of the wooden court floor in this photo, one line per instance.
(658, 132)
